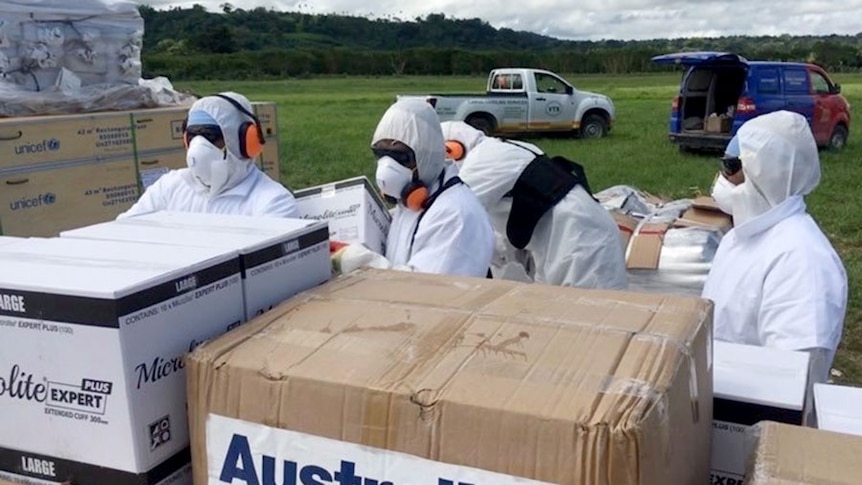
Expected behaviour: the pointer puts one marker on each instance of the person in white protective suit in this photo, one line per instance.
(776, 280)
(542, 205)
(438, 225)
(223, 137)
(508, 263)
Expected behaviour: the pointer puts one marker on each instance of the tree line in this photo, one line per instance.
(195, 44)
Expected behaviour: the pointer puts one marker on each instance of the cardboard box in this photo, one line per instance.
(393, 375)
(267, 113)
(43, 200)
(269, 161)
(353, 208)
(65, 138)
(152, 166)
(752, 384)
(9, 240)
(93, 336)
(279, 257)
(644, 241)
(795, 455)
(158, 130)
(839, 408)
(717, 123)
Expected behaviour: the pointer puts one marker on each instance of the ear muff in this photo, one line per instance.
(251, 139)
(414, 196)
(455, 150)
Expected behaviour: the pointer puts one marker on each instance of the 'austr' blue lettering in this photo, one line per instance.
(239, 468)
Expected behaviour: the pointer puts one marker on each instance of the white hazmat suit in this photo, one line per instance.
(776, 280)
(575, 243)
(217, 181)
(451, 236)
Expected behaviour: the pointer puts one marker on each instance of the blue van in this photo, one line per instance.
(720, 91)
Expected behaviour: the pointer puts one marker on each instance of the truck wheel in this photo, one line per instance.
(593, 126)
(482, 124)
(838, 138)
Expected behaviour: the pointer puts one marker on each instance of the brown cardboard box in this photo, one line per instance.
(269, 161)
(785, 454)
(44, 201)
(41, 139)
(151, 166)
(717, 123)
(159, 129)
(644, 243)
(389, 375)
(267, 113)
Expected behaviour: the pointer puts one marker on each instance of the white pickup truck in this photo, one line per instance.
(520, 100)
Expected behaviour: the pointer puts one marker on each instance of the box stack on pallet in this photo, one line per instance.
(66, 171)
(81, 133)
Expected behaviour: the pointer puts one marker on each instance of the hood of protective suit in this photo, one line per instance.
(234, 167)
(414, 123)
(462, 133)
(779, 159)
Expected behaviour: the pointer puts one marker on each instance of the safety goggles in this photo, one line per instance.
(402, 157)
(212, 133)
(731, 165)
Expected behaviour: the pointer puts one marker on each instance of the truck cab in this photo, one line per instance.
(524, 100)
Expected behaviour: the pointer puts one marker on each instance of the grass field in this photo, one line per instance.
(326, 127)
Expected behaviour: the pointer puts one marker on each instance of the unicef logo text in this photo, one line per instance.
(24, 203)
(48, 145)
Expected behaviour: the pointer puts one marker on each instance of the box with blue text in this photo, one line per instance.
(401, 378)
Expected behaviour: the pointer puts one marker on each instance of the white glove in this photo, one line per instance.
(354, 256)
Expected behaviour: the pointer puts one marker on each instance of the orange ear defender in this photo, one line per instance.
(251, 139)
(414, 195)
(455, 150)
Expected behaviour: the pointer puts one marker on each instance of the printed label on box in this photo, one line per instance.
(243, 452)
(728, 453)
(149, 176)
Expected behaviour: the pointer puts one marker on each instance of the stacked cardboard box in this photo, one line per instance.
(92, 340)
(62, 172)
(670, 253)
(279, 257)
(752, 384)
(398, 377)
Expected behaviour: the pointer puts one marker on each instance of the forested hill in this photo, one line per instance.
(263, 43)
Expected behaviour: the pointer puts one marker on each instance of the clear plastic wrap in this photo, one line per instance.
(686, 253)
(16, 101)
(68, 52)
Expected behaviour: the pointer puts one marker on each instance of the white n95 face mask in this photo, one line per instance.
(210, 166)
(392, 177)
(723, 193)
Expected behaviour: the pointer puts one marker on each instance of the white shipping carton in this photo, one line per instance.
(839, 408)
(9, 239)
(92, 340)
(751, 384)
(279, 257)
(354, 210)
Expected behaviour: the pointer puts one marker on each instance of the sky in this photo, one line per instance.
(600, 19)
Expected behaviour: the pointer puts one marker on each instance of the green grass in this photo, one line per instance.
(326, 126)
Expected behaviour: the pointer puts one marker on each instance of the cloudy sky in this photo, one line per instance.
(602, 19)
